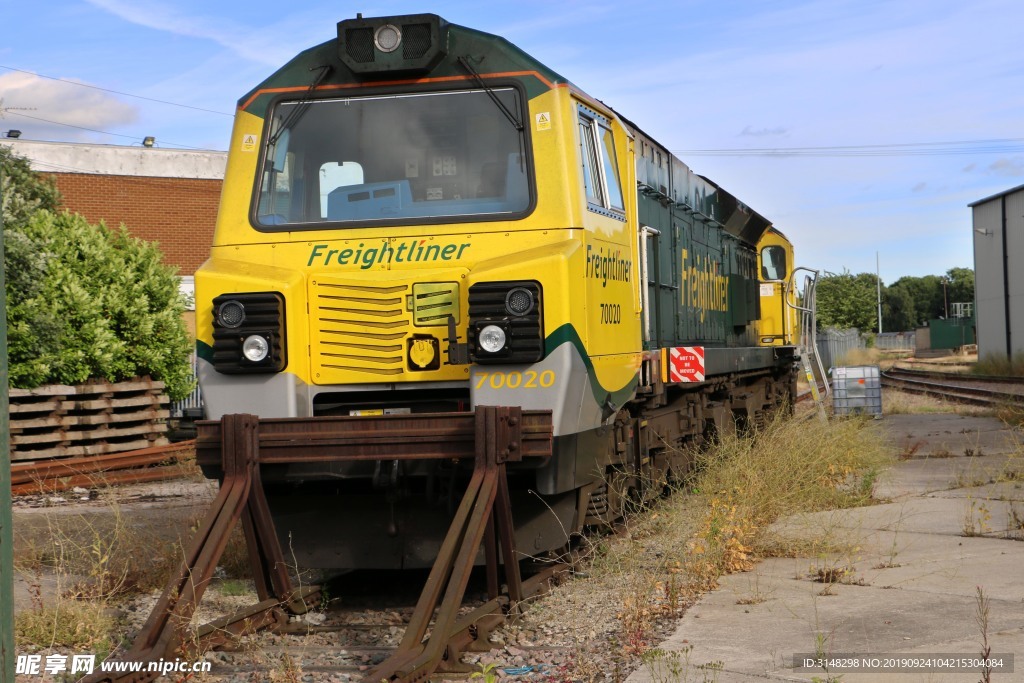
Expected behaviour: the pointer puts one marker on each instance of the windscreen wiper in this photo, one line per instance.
(509, 114)
(490, 93)
(295, 114)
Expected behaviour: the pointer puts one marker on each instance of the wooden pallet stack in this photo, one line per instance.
(58, 421)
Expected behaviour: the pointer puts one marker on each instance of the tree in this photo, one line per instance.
(926, 293)
(847, 300)
(960, 284)
(85, 301)
(24, 192)
(898, 314)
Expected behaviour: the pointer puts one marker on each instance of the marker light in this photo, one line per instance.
(255, 348)
(492, 339)
(519, 301)
(231, 314)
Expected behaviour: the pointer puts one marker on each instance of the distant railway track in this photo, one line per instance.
(980, 390)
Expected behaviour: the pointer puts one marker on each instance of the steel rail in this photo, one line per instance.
(956, 393)
(36, 471)
(106, 478)
(914, 373)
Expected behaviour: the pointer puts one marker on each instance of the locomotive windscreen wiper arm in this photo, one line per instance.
(490, 92)
(516, 123)
(295, 114)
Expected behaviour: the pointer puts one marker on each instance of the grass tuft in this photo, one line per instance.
(1001, 365)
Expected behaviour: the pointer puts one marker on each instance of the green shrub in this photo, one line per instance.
(83, 301)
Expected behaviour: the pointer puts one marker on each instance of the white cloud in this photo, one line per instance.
(750, 131)
(1013, 168)
(271, 44)
(38, 106)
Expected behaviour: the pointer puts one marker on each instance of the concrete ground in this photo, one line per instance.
(906, 586)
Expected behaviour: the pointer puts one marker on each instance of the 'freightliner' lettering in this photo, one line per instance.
(604, 268)
(410, 251)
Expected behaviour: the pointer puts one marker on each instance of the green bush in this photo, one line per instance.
(87, 302)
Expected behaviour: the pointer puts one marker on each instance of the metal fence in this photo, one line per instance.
(833, 344)
(193, 403)
(895, 341)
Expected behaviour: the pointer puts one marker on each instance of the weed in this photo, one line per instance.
(981, 614)
(822, 647)
(667, 666)
(289, 670)
(756, 595)
(1014, 523)
(909, 449)
(233, 587)
(81, 625)
(673, 666)
(487, 672)
(976, 519)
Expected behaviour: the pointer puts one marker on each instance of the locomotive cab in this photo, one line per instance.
(777, 325)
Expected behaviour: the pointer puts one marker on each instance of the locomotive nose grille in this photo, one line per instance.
(383, 327)
(358, 329)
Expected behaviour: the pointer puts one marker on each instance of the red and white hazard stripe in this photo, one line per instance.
(686, 364)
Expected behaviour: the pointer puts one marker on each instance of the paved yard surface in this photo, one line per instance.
(908, 590)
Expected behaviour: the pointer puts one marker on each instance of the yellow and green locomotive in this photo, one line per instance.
(419, 217)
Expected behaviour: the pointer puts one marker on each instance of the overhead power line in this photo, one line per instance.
(102, 132)
(116, 92)
(961, 147)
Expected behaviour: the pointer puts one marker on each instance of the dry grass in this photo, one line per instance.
(855, 357)
(723, 520)
(1005, 366)
(79, 566)
(81, 563)
(79, 625)
(895, 402)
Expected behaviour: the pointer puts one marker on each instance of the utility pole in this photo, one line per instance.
(878, 282)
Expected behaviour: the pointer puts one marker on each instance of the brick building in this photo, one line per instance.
(168, 196)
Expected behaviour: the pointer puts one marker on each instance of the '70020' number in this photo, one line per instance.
(611, 314)
(531, 379)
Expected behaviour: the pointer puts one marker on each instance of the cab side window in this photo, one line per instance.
(599, 164)
(773, 263)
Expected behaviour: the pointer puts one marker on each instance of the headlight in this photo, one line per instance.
(255, 348)
(387, 38)
(492, 339)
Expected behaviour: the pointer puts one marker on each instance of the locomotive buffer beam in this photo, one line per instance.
(491, 436)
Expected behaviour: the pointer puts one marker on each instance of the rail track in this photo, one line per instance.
(357, 635)
(980, 390)
(157, 463)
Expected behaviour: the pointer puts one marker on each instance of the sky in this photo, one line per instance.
(862, 129)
